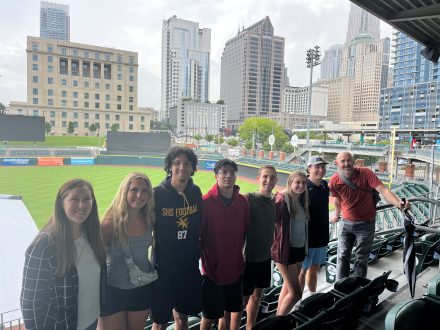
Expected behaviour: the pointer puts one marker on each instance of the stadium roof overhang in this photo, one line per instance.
(419, 19)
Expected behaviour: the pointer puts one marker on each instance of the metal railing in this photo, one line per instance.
(12, 322)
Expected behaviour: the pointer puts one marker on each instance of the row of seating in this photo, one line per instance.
(417, 313)
(350, 297)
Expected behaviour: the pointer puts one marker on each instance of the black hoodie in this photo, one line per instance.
(177, 228)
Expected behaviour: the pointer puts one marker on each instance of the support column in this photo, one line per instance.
(410, 170)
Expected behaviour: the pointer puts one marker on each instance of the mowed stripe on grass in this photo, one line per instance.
(38, 185)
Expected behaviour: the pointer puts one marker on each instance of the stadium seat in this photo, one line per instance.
(269, 302)
(413, 314)
(315, 304)
(375, 249)
(433, 289)
(286, 322)
(425, 251)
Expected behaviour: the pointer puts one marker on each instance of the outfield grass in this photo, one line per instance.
(65, 141)
(38, 185)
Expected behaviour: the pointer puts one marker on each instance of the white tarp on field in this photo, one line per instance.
(17, 231)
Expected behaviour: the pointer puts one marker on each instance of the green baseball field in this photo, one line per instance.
(38, 185)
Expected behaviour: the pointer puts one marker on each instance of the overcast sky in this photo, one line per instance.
(136, 25)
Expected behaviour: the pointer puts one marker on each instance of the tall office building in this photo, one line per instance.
(361, 21)
(185, 63)
(413, 101)
(331, 62)
(340, 98)
(252, 73)
(54, 21)
(82, 84)
(366, 61)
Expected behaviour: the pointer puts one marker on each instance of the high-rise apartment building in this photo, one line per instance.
(54, 21)
(331, 62)
(360, 21)
(296, 100)
(252, 73)
(185, 63)
(413, 101)
(82, 84)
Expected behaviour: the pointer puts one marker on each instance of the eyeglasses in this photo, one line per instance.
(226, 172)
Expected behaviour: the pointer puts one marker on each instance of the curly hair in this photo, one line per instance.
(174, 153)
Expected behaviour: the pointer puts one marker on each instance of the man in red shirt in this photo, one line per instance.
(358, 212)
(225, 218)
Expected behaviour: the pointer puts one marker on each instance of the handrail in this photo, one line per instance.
(4, 324)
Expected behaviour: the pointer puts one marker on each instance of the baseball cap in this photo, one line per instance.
(315, 160)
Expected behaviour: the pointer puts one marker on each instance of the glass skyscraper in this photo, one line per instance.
(414, 100)
(360, 21)
(54, 21)
(185, 63)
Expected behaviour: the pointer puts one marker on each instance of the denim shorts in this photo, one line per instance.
(316, 256)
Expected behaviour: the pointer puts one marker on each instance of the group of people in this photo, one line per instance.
(143, 259)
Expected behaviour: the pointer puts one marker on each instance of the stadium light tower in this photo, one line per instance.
(312, 59)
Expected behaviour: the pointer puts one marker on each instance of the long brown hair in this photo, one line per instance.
(117, 213)
(303, 199)
(60, 231)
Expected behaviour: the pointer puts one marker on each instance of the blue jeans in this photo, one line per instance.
(361, 232)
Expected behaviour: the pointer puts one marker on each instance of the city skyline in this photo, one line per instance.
(136, 26)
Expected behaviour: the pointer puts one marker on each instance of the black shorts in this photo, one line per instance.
(296, 255)
(216, 299)
(133, 300)
(256, 275)
(182, 294)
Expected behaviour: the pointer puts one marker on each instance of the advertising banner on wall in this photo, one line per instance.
(82, 161)
(50, 161)
(18, 161)
(209, 165)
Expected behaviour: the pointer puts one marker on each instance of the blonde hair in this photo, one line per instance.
(303, 199)
(118, 210)
(60, 231)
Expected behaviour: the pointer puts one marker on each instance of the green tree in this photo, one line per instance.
(92, 128)
(209, 138)
(197, 137)
(70, 128)
(220, 102)
(219, 139)
(288, 148)
(2, 107)
(233, 142)
(47, 127)
(263, 128)
(313, 135)
(114, 128)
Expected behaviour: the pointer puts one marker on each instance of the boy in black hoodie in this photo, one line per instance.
(178, 204)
